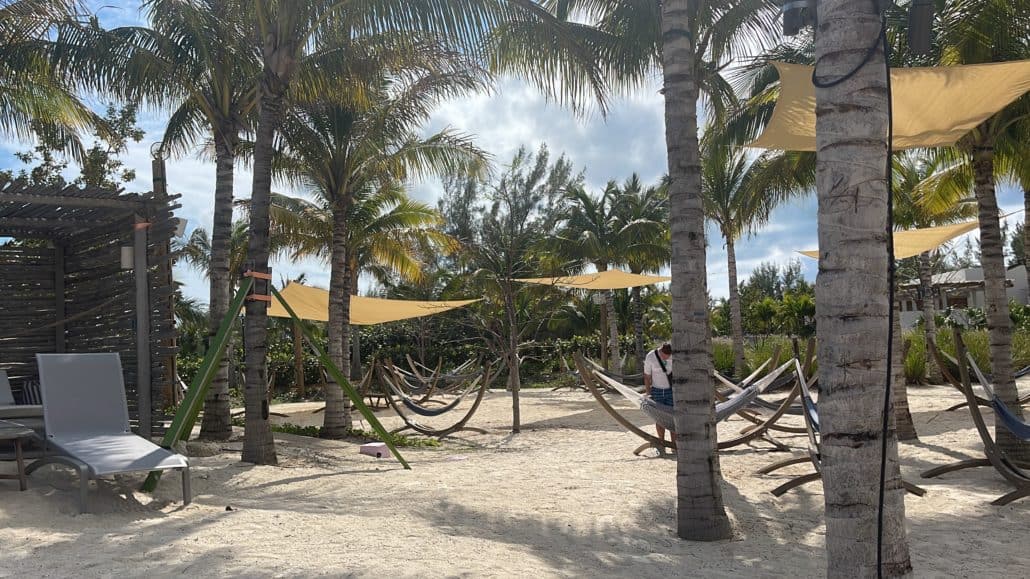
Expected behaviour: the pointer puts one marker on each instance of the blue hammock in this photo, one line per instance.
(1012, 422)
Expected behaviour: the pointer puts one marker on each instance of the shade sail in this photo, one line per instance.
(933, 106)
(605, 280)
(311, 303)
(916, 241)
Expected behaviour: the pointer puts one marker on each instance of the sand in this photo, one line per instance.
(566, 497)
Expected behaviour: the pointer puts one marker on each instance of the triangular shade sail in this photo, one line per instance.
(310, 303)
(916, 241)
(605, 280)
(933, 106)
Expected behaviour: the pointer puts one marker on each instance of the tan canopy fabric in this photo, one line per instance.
(916, 241)
(605, 280)
(933, 106)
(310, 303)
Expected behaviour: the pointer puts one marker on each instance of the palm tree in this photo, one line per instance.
(590, 234)
(206, 76)
(384, 233)
(978, 31)
(643, 214)
(329, 34)
(38, 94)
(851, 295)
(356, 158)
(739, 197)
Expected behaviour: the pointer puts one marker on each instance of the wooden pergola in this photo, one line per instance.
(90, 270)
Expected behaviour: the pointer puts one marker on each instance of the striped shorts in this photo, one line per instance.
(662, 395)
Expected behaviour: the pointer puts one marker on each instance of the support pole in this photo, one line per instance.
(59, 309)
(139, 264)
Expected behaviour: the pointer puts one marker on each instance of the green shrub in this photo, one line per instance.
(722, 355)
(765, 347)
(915, 360)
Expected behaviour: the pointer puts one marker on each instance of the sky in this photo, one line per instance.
(630, 139)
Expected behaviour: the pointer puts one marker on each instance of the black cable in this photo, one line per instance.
(865, 59)
(890, 298)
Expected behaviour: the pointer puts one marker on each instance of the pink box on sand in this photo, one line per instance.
(376, 449)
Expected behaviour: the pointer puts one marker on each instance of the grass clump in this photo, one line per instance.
(399, 440)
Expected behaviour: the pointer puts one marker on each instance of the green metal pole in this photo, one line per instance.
(344, 383)
(189, 410)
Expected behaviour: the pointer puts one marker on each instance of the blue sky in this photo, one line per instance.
(631, 139)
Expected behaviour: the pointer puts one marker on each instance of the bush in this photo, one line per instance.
(915, 360)
(722, 356)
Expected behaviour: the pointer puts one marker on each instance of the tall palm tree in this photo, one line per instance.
(851, 295)
(356, 158)
(207, 77)
(978, 31)
(590, 234)
(688, 42)
(38, 88)
(739, 195)
(507, 34)
(643, 214)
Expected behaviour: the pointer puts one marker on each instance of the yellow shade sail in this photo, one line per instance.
(916, 241)
(310, 303)
(933, 106)
(605, 280)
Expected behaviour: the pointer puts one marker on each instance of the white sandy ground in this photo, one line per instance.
(564, 498)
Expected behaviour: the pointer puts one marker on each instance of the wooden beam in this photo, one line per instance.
(143, 403)
(59, 298)
(106, 202)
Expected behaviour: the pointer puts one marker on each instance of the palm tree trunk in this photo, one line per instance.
(638, 327)
(905, 428)
(999, 325)
(514, 376)
(736, 320)
(258, 444)
(216, 424)
(356, 370)
(851, 297)
(929, 311)
(700, 512)
(337, 416)
(613, 331)
(298, 360)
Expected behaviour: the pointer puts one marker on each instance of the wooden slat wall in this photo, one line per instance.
(93, 276)
(27, 307)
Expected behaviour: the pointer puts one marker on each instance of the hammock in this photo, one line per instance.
(429, 412)
(1012, 422)
(481, 383)
(665, 415)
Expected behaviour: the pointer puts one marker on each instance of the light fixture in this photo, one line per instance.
(180, 226)
(128, 257)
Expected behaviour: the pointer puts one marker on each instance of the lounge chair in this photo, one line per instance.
(1016, 475)
(87, 423)
(28, 415)
(814, 455)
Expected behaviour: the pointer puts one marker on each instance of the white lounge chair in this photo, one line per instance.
(87, 422)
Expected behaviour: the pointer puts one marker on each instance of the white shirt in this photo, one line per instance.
(652, 368)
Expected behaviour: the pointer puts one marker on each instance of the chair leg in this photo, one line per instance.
(960, 465)
(187, 493)
(19, 458)
(796, 482)
(646, 446)
(783, 463)
(83, 490)
(1012, 496)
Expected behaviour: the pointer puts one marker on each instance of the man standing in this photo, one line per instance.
(658, 383)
